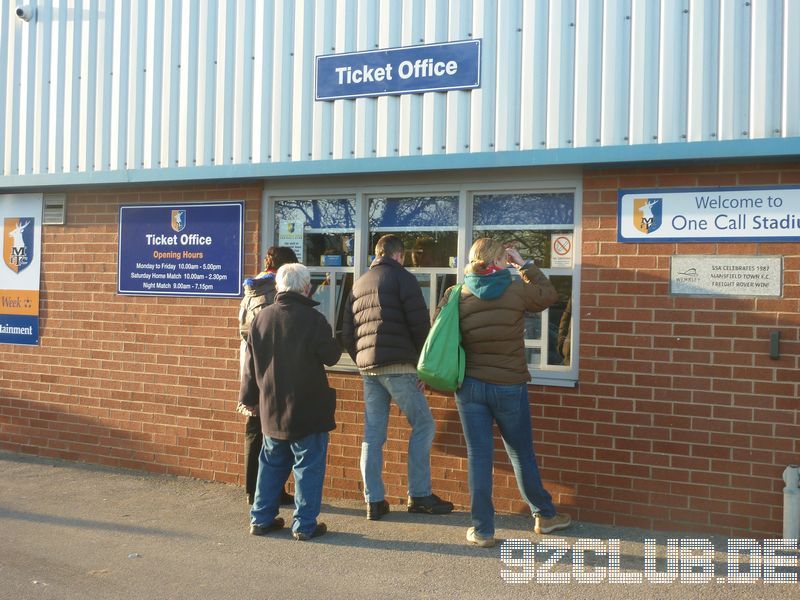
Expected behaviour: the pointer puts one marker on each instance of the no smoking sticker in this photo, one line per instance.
(561, 250)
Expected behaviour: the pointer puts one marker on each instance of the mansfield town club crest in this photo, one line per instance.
(18, 242)
(647, 214)
(178, 220)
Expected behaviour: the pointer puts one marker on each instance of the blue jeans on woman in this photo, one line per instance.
(305, 458)
(479, 404)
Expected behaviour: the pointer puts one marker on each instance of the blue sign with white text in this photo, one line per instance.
(724, 214)
(19, 329)
(181, 250)
(412, 69)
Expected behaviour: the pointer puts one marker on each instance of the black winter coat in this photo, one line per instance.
(386, 320)
(284, 373)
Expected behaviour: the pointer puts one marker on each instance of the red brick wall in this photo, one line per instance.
(141, 382)
(680, 420)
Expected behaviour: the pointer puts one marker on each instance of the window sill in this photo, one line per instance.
(554, 380)
(346, 365)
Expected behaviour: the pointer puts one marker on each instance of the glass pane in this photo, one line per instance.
(425, 251)
(534, 357)
(413, 212)
(528, 221)
(559, 337)
(533, 326)
(321, 232)
(523, 210)
(321, 291)
(535, 244)
(323, 214)
(344, 285)
(443, 283)
(427, 225)
(425, 284)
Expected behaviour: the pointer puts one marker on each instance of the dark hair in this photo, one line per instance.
(389, 245)
(425, 253)
(277, 256)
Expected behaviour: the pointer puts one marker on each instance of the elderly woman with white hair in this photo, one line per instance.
(284, 374)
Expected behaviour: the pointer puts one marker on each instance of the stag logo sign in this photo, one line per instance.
(724, 214)
(18, 242)
(21, 229)
(647, 214)
(178, 220)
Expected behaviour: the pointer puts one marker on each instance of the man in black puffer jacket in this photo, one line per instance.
(385, 325)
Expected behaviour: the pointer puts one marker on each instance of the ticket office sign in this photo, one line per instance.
(406, 70)
(181, 249)
(709, 215)
(21, 220)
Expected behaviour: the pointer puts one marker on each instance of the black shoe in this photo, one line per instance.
(375, 510)
(286, 499)
(320, 529)
(268, 528)
(432, 505)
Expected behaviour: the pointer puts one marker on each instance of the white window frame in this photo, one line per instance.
(362, 188)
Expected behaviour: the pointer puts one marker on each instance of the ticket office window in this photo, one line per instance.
(428, 227)
(321, 231)
(541, 226)
(329, 235)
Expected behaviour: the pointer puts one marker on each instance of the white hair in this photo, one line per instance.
(292, 277)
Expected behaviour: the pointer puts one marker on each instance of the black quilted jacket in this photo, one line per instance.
(386, 320)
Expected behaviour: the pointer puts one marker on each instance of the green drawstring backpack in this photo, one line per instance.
(442, 362)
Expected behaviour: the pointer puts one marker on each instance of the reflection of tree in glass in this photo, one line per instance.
(318, 214)
(531, 244)
(326, 224)
(422, 212)
(524, 209)
(556, 313)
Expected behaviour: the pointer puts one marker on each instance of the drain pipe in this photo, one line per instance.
(791, 503)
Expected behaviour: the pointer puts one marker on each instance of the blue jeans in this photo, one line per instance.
(306, 459)
(479, 403)
(378, 393)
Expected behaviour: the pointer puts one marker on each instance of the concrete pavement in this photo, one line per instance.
(71, 530)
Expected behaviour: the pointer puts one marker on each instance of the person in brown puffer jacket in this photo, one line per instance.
(492, 311)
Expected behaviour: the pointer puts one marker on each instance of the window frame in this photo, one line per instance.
(361, 190)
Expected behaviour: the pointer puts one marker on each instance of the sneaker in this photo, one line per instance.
(375, 510)
(268, 528)
(550, 524)
(432, 505)
(477, 539)
(319, 530)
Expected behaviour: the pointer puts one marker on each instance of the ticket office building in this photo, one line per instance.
(649, 408)
(668, 412)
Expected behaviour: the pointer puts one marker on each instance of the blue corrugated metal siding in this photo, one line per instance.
(102, 90)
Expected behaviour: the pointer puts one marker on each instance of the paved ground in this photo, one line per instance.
(70, 531)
